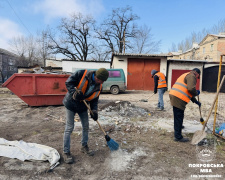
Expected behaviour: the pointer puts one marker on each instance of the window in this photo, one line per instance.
(211, 47)
(11, 68)
(11, 61)
(114, 74)
(203, 51)
(197, 54)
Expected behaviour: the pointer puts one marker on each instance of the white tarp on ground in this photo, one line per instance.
(28, 151)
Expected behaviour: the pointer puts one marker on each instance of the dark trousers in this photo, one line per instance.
(178, 122)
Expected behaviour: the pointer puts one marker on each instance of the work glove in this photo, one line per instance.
(198, 92)
(202, 121)
(78, 95)
(94, 115)
(198, 103)
(155, 92)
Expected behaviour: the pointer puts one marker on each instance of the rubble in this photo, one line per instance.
(125, 109)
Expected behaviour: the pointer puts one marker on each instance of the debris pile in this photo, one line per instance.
(122, 112)
(125, 109)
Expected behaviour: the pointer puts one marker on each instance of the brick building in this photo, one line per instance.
(210, 49)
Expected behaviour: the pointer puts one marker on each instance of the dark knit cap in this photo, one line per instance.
(197, 70)
(102, 74)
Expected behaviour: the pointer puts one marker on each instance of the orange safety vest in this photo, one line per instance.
(83, 86)
(180, 90)
(162, 80)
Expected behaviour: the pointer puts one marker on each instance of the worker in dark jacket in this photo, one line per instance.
(181, 93)
(88, 85)
(160, 86)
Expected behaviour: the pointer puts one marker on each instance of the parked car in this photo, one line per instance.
(116, 82)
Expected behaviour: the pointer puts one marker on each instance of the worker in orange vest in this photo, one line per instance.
(160, 86)
(88, 85)
(181, 93)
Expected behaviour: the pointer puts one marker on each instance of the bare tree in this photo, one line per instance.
(118, 26)
(144, 41)
(18, 45)
(74, 40)
(220, 27)
(186, 44)
(100, 53)
(43, 43)
(25, 48)
(31, 49)
(181, 46)
(173, 48)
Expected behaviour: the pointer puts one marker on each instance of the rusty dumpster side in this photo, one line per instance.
(38, 89)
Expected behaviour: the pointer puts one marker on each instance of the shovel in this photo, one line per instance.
(201, 134)
(146, 100)
(201, 119)
(113, 145)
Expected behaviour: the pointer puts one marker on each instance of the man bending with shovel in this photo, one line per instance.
(82, 85)
(181, 93)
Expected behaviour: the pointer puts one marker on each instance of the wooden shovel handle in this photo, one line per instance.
(93, 114)
(150, 96)
(221, 84)
(96, 120)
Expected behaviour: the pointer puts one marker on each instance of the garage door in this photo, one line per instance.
(210, 76)
(177, 73)
(139, 73)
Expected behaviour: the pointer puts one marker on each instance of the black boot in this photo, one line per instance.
(68, 159)
(181, 140)
(85, 149)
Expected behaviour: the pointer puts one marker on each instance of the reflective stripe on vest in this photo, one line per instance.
(180, 90)
(94, 95)
(162, 80)
(83, 83)
(83, 86)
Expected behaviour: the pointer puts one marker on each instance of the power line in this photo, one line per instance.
(18, 17)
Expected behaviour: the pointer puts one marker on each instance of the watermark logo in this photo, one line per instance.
(206, 150)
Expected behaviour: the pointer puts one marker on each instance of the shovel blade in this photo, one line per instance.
(198, 136)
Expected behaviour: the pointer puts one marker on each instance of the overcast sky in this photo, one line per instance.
(171, 21)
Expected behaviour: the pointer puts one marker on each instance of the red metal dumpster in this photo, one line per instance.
(38, 89)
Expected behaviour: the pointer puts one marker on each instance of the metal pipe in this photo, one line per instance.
(218, 83)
